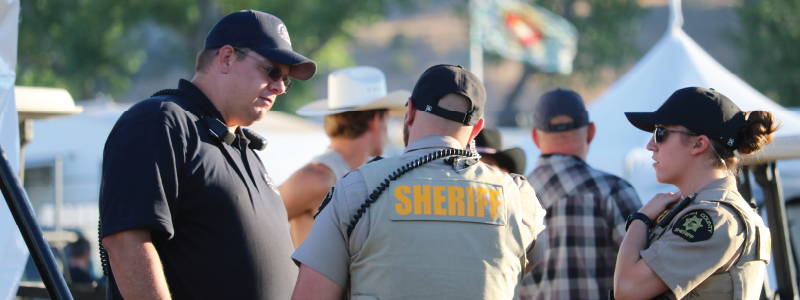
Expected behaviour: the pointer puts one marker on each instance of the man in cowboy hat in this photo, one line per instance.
(586, 208)
(355, 120)
(489, 144)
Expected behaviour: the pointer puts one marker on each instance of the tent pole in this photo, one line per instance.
(475, 45)
(20, 208)
(768, 178)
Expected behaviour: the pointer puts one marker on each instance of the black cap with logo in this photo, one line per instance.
(703, 111)
(560, 102)
(440, 80)
(490, 142)
(263, 33)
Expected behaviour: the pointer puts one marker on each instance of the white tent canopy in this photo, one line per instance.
(675, 62)
(13, 253)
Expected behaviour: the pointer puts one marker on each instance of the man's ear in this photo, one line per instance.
(411, 113)
(699, 145)
(225, 58)
(590, 131)
(374, 123)
(535, 136)
(475, 130)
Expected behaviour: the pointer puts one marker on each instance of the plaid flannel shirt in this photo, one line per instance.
(586, 214)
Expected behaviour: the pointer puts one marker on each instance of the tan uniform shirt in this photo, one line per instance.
(702, 240)
(328, 249)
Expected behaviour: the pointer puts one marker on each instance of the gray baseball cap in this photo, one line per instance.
(560, 102)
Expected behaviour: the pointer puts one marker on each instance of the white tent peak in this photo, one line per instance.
(675, 62)
(675, 14)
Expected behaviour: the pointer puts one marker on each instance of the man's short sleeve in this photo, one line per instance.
(703, 238)
(140, 177)
(622, 202)
(328, 249)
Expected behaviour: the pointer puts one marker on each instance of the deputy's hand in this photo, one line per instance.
(659, 203)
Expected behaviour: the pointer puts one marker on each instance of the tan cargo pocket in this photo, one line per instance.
(764, 247)
(717, 286)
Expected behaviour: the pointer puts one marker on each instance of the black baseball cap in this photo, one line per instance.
(703, 111)
(560, 102)
(440, 80)
(263, 33)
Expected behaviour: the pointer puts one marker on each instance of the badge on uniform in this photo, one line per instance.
(324, 202)
(271, 184)
(694, 226)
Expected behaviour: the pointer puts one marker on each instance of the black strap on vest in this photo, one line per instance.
(675, 210)
(452, 160)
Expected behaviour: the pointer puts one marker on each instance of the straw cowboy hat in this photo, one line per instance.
(357, 89)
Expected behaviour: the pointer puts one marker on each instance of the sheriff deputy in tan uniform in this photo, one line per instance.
(434, 223)
(711, 244)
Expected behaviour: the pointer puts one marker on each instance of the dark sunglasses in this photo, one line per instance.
(274, 73)
(660, 134)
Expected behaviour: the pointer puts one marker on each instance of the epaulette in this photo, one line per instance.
(325, 202)
(165, 92)
(374, 159)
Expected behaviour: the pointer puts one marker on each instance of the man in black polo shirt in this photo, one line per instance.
(187, 209)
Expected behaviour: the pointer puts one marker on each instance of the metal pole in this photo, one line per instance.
(745, 188)
(767, 177)
(475, 43)
(22, 212)
(58, 180)
(25, 137)
(58, 176)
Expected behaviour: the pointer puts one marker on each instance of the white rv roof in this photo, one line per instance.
(42, 102)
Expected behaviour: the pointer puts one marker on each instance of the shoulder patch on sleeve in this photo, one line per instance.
(324, 202)
(374, 159)
(694, 226)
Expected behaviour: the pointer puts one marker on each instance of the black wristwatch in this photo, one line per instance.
(637, 216)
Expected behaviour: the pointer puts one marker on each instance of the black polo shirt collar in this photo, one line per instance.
(200, 99)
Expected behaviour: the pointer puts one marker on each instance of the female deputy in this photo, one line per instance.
(711, 244)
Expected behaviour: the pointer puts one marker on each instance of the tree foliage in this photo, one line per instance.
(769, 39)
(605, 40)
(606, 29)
(91, 46)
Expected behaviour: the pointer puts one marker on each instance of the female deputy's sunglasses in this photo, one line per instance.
(274, 73)
(660, 134)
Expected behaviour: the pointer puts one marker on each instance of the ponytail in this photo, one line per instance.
(756, 132)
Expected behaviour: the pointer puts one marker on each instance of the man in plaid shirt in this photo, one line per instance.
(586, 208)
